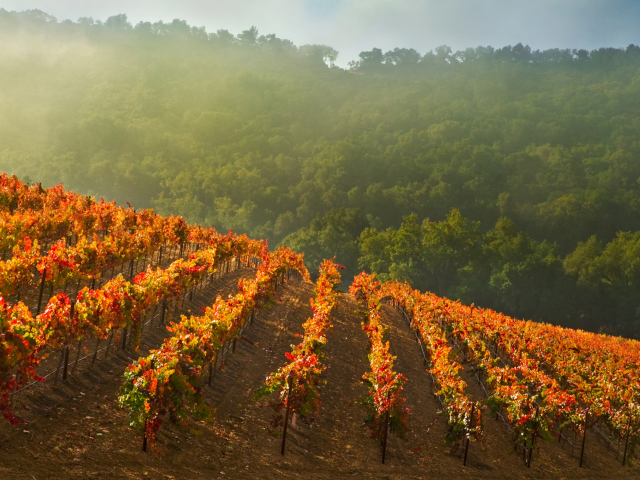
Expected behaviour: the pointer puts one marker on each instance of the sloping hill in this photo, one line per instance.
(77, 430)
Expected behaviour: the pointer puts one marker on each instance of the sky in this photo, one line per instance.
(353, 26)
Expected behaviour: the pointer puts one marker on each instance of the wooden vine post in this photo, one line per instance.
(212, 365)
(584, 436)
(65, 370)
(124, 339)
(106, 353)
(55, 379)
(95, 352)
(533, 437)
(286, 415)
(626, 443)
(144, 438)
(466, 448)
(75, 364)
(164, 307)
(44, 275)
(385, 433)
(15, 386)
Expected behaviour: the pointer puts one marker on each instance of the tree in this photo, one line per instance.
(224, 37)
(394, 254)
(368, 60)
(276, 44)
(249, 37)
(402, 57)
(334, 234)
(608, 279)
(428, 256)
(582, 263)
(449, 246)
(522, 273)
(118, 22)
(320, 53)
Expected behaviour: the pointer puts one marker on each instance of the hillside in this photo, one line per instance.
(76, 429)
(139, 345)
(535, 150)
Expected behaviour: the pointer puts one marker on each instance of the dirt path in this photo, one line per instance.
(494, 456)
(77, 423)
(77, 430)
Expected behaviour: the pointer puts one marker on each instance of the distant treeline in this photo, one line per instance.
(443, 55)
(505, 177)
(39, 22)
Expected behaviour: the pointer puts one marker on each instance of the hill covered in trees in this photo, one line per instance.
(505, 177)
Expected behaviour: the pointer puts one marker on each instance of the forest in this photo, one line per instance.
(505, 177)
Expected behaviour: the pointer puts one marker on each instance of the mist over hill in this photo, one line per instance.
(502, 176)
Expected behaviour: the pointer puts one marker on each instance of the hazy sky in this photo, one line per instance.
(351, 26)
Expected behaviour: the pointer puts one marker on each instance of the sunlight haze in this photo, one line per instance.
(351, 26)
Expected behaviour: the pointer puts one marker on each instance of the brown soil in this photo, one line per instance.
(77, 430)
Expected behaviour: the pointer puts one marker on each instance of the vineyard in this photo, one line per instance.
(138, 345)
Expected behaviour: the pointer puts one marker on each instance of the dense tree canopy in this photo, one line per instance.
(503, 176)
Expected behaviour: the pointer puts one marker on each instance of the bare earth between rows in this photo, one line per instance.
(77, 430)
